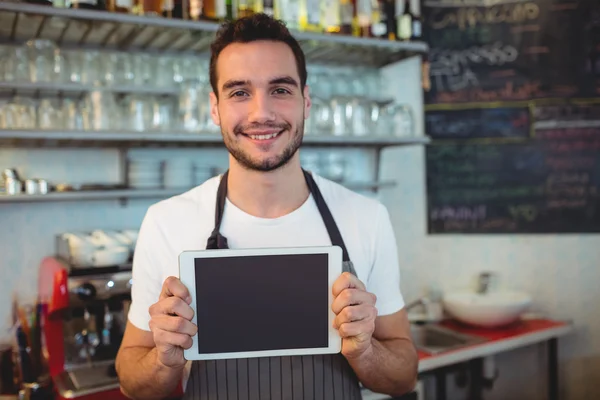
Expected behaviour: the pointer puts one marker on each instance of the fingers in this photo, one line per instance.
(354, 314)
(172, 306)
(363, 328)
(172, 286)
(347, 281)
(351, 297)
(173, 324)
(166, 340)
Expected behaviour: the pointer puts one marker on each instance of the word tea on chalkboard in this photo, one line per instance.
(506, 50)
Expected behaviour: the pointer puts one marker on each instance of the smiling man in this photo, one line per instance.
(260, 101)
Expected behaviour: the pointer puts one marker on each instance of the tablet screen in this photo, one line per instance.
(265, 302)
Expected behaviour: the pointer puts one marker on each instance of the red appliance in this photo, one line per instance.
(84, 317)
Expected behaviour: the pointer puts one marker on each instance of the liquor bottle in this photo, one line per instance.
(245, 8)
(310, 15)
(195, 9)
(119, 6)
(289, 12)
(214, 10)
(366, 16)
(405, 19)
(346, 17)
(152, 7)
(389, 15)
(384, 20)
(231, 10)
(268, 7)
(88, 4)
(40, 2)
(257, 6)
(417, 26)
(331, 18)
(168, 7)
(178, 10)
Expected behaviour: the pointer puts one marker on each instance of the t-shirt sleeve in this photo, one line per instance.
(146, 274)
(384, 278)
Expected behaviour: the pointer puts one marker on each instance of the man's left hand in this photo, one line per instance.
(355, 312)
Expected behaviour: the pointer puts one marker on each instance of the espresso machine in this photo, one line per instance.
(84, 320)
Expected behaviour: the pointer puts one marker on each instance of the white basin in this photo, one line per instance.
(487, 310)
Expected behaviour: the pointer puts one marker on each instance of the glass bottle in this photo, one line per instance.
(230, 10)
(310, 15)
(405, 22)
(331, 17)
(269, 7)
(215, 10)
(195, 9)
(366, 13)
(289, 12)
(88, 4)
(417, 31)
(244, 8)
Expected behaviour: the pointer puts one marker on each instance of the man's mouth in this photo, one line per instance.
(263, 136)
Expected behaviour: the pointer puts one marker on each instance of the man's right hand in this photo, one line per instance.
(170, 323)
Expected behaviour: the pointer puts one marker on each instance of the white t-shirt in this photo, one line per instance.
(185, 222)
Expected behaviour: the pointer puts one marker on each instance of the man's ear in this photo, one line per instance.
(214, 109)
(307, 102)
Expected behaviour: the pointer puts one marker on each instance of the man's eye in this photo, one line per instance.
(239, 93)
(281, 91)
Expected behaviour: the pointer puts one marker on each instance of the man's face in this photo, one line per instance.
(260, 108)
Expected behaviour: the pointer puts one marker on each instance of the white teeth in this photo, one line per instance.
(263, 137)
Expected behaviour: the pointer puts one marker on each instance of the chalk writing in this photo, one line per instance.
(459, 213)
(472, 16)
(523, 211)
(567, 163)
(452, 69)
(568, 133)
(509, 91)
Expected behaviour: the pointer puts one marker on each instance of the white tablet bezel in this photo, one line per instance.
(187, 277)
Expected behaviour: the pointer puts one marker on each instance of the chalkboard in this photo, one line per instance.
(550, 184)
(512, 50)
(508, 122)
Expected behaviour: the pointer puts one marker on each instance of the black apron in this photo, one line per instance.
(327, 377)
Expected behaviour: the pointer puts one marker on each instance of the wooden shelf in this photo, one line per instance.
(20, 22)
(141, 194)
(47, 138)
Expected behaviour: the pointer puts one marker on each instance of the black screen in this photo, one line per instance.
(255, 303)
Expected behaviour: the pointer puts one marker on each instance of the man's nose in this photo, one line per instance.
(261, 110)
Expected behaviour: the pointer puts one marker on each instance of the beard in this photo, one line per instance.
(264, 164)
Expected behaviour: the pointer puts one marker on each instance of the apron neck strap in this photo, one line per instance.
(218, 241)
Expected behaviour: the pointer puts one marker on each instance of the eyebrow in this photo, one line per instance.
(282, 80)
(234, 83)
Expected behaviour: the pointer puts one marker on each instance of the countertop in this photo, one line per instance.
(519, 334)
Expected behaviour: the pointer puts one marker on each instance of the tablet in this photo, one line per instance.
(262, 302)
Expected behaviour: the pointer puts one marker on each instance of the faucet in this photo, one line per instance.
(484, 282)
(423, 301)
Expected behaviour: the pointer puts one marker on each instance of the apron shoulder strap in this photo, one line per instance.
(216, 240)
(332, 228)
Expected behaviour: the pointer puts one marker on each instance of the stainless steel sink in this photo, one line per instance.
(435, 339)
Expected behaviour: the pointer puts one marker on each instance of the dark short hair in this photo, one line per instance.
(249, 29)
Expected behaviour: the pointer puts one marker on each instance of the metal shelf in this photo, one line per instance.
(98, 29)
(55, 88)
(47, 138)
(141, 193)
